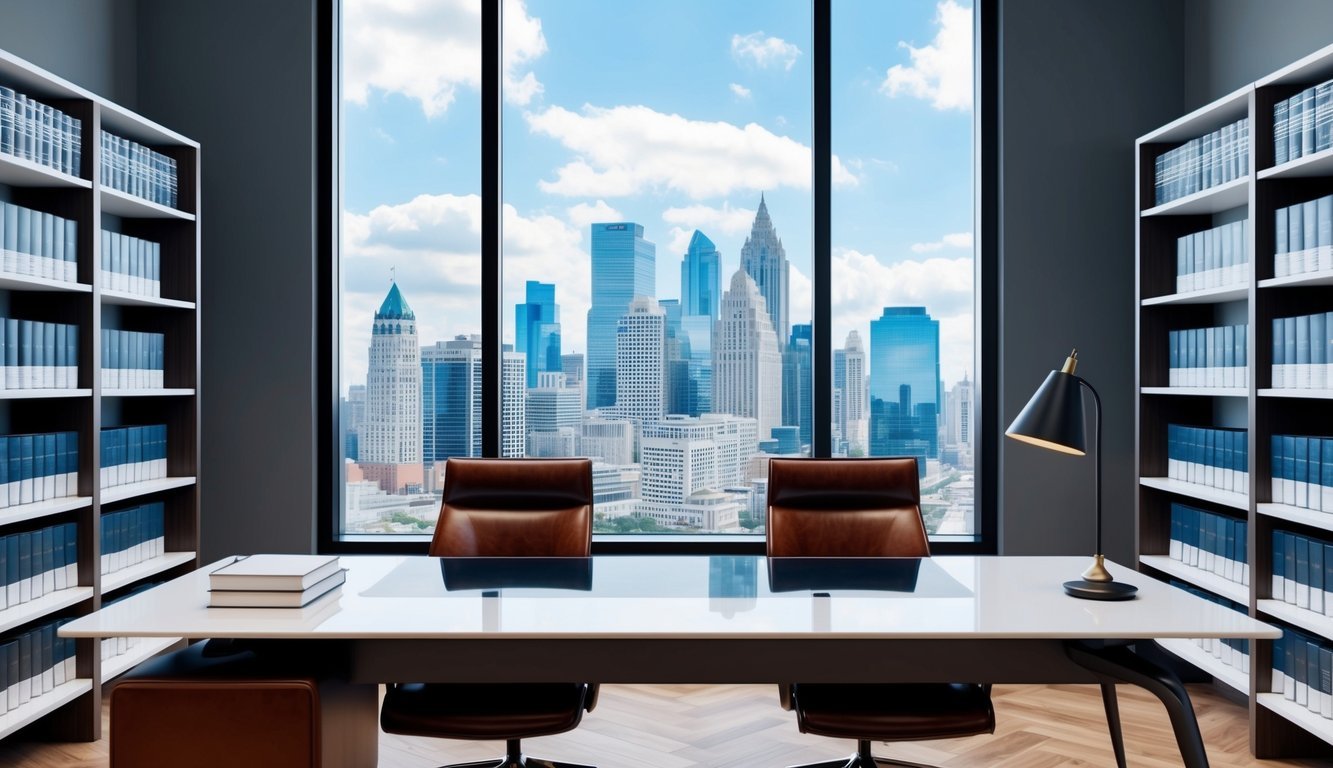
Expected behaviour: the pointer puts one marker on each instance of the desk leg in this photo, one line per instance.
(1119, 663)
(1113, 723)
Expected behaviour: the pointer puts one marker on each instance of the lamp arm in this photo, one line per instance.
(1097, 477)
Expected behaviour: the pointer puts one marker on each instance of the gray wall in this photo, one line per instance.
(1230, 43)
(237, 77)
(89, 43)
(1079, 83)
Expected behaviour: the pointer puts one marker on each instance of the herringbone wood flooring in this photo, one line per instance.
(742, 726)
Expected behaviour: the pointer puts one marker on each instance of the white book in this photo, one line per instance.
(1302, 595)
(1174, 549)
(269, 598)
(1317, 599)
(1327, 493)
(273, 572)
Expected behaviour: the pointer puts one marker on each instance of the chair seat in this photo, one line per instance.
(483, 712)
(897, 712)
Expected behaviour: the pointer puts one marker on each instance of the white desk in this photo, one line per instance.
(703, 619)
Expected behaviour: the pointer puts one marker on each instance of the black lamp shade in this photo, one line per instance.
(1053, 418)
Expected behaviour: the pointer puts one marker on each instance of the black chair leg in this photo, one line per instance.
(514, 759)
(1112, 705)
(864, 759)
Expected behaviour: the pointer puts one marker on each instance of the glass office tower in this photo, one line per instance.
(797, 379)
(451, 398)
(905, 384)
(701, 277)
(537, 330)
(623, 267)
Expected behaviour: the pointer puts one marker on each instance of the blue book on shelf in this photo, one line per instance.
(1289, 349)
(13, 567)
(1316, 573)
(1279, 567)
(1289, 558)
(1300, 468)
(1326, 481)
(1280, 236)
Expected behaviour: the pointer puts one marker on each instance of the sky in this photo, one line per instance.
(676, 116)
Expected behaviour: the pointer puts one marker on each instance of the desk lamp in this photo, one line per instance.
(1053, 419)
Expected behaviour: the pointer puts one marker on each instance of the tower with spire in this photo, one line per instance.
(747, 366)
(765, 260)
(390, 435)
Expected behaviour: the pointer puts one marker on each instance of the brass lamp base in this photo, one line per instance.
(1098, 584)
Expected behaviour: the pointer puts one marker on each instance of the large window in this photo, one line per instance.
(658, 251)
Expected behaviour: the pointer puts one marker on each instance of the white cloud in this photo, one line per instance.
(427, 49)
(940, 72)
(727, 220)
(584, 214)
(740, 91)
(762, 50)
(952, 240)
(630, 149)
(863, 286)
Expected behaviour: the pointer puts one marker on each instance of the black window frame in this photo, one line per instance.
(328, 205)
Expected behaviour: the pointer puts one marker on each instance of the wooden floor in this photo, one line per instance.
(737, 726)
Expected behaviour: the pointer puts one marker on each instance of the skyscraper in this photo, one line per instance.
(747, 367)
(905, 384)
(352, 414)
(451, 398)
(765, 260)
(623, 266)
(797, 379)
(513, 403)
(687, 462)
(390, 439)
(537, 330)
(701, 278)
(958, 423)
(849, 375)
(641, 363)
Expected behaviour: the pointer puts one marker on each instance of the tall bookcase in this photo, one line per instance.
(72, 710)
(1279, 728)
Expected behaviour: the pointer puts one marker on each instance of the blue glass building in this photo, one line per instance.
(701, 278)
(451, 399)
(905, 386)
(537, 330)
(623, 266)
(797, 379)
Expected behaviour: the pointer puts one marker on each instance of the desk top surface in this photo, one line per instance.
(685, 597)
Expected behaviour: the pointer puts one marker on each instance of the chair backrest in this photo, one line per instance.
(515, 508)
(845, 508)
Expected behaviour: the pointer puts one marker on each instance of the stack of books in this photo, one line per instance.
(1213, 159)
(39, 133)
(273, 581)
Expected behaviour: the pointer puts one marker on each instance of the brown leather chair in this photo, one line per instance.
(503, 508)
(864, 508)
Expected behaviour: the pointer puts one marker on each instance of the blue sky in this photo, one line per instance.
(676, 116)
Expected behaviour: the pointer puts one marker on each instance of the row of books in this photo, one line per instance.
(38, 244)
(38, 467)
(1210, 542)
(1302, 472)
(35, 662)
(1234, 652)
(133, 454)
(131, 536)
(131, 265)
(37, 563)
(39, 133)
(1303, 124)
(40, 355)
(1303, 237)
(132, 359)
(1215, 457)
(1213, 258)
(1213, 159)
(1208, 357)
(1303, 572)
(1303, 671)
(137, 170)
(1303, 351)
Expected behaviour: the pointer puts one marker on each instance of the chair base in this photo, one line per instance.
(863, 759)
(514, 758)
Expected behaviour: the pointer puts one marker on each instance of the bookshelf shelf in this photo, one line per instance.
(17, 514)
(1319, 164)
(147, 648)
(1199, 578)
(35, 394)
(122, 204)
(25, 173)
(1297, 714)
(1322, 520)
(163, 392)
(1196, 491)
(1262, 411)
(139, 571)
(1196, 391)
(1207, 296)
(43, 705)
(135, 490)
(1298, 281)
(1306, 394)
(135, 300)
(1308, 620)
(10, 281)
(1223, 197)
(46, 604)
(1192, 653)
